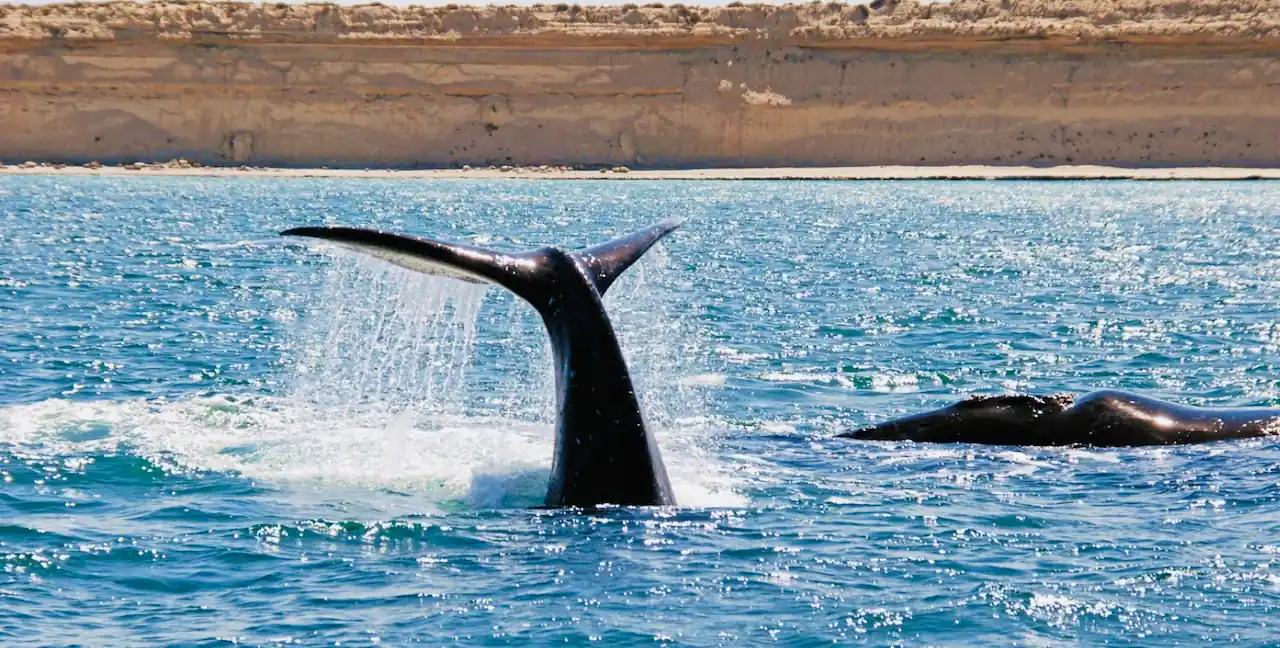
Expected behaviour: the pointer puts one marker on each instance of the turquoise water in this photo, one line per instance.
(209, 436)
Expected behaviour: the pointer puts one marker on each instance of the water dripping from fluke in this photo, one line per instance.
(409, 379)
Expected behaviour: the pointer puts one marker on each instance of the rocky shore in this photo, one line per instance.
(1133, 83)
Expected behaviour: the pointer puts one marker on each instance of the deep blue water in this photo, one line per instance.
(210, 436)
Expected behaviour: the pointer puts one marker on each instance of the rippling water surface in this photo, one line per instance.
(211, 436)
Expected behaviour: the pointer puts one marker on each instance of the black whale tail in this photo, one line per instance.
(530, 275)
(603, 451)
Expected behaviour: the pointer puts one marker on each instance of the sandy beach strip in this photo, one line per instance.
(965, 172)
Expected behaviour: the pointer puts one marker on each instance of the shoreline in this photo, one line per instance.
(956, 172)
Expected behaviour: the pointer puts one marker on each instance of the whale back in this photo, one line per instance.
(1114, 418)
(1006, 419)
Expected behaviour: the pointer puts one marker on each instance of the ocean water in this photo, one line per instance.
(212, 436)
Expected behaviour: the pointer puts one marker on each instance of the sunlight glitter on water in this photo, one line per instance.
(206, 432)
(380, 397)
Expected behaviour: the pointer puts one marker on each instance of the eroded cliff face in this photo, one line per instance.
(834, 85)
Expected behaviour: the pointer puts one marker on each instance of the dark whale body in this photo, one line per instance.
(1102, 418)
(603, 451)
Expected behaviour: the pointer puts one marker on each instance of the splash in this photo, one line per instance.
(406, 383)
(441, 364)
(384, 382)
(380, 339)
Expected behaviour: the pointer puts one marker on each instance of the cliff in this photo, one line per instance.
(1127, 82)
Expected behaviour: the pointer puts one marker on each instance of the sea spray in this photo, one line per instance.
(155, 509)
(418, 369)
(664, 353)
(381, 339)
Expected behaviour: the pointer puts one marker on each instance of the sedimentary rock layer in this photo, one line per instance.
(1129, 82)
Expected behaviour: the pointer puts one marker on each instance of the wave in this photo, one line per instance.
(475, 461)
(401, 382)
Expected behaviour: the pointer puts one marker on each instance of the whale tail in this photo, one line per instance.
(604, 453)
(527, 274)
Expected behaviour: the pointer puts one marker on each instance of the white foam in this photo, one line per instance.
(804, 377)
(483, 462)
(703, 380)
(895, 383)
(880, 382)
(381, 397)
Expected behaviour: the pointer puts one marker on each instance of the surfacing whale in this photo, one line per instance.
(1106, 418)
(603, 452)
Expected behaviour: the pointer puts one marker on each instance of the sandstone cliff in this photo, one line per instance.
(1130, 82)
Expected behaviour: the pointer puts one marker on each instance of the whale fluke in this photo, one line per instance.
(603, 452)
(608, 261)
